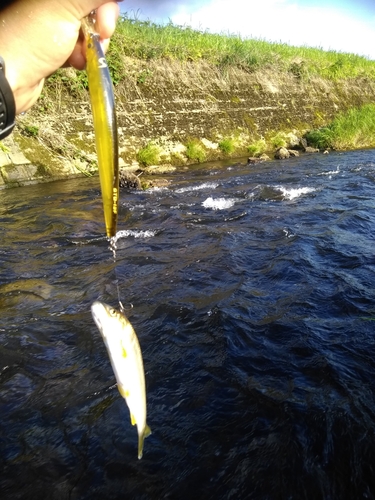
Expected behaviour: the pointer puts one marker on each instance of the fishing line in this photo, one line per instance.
(113, 249)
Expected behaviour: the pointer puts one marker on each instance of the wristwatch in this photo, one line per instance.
(7, 104)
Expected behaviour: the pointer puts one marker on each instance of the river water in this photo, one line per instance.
(252, 291)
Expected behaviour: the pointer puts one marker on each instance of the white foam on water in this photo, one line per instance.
(132, 208)
(180, 206)
(293, 193)
(204, 185)
(288, 233)
(331, 172)
(218, 203)
(135, 234)
(157, 189)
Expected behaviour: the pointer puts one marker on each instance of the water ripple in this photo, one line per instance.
(252, 293)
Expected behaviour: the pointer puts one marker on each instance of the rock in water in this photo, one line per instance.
(129, 180)
(282, 154)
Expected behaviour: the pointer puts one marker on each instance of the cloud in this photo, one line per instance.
(158, 10)
(341, 25)
(286, 21)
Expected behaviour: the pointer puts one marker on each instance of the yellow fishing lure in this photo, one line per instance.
(105, 124)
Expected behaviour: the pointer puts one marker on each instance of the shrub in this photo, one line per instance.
(227, 145)
(257, 148)
(149, 155)
(322, 138)
(195, 151)
(31, 130)
(278, 141)
(353, 129)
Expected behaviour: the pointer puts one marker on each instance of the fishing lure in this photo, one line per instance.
(105, 123)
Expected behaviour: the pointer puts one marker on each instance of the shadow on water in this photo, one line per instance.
(252, 293)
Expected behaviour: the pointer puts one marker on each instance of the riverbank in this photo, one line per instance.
(188, 105)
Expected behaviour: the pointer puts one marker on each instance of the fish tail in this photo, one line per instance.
(141, 437)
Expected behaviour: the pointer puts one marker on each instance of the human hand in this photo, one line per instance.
(39, 36)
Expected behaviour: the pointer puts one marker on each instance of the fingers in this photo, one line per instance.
(107, 16)
(77, 58)
(39, 36)
(81, 8)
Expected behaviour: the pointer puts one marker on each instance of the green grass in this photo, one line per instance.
(278, 141)
(76, 82)
(227, 145)
(257, 148)
(31, 130)
(195, 151)
(4, 148)
(149, 155)
(351, 130)
(146, 40)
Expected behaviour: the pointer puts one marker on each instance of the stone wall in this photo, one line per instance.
(170, 103)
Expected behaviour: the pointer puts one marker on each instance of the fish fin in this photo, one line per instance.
(124, 354)
(124, 393)
(132, 418)
(141, 437)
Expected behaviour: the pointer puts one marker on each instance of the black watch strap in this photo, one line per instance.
(7, 104)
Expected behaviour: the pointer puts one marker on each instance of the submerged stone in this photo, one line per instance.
(129, 180)
(282, 154)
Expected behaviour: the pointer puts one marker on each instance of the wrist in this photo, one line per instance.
(7, 104)
(25, 91)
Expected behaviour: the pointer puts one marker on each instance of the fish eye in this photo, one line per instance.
(112, 312)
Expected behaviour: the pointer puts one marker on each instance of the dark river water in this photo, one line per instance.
(252, 291)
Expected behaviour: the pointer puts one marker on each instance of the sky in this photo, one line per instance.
(340, 25)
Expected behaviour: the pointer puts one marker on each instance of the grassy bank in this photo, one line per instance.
(146, 40)
(186, 96)
(351, 130)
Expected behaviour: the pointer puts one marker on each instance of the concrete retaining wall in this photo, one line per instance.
(171, 104)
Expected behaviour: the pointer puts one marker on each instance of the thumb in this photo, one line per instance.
(84, 7)
(106, 18)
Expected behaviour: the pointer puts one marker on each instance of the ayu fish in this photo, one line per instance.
(126, 359)
(105, 124)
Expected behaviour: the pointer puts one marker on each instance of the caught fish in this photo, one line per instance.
(105, 124)
(126, 360)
